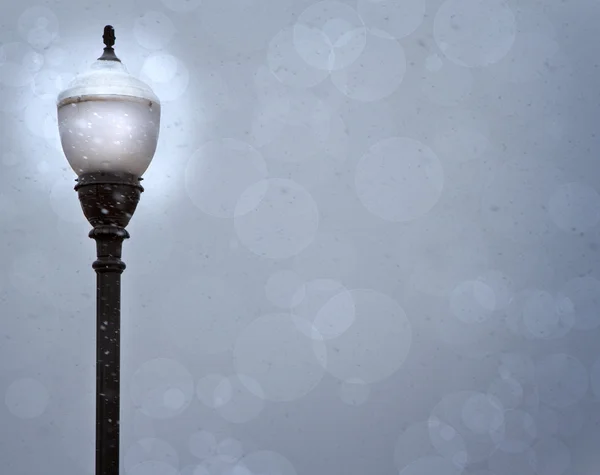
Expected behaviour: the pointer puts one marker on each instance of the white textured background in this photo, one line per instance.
(369, 241)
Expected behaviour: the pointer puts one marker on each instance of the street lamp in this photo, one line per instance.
(109, 123)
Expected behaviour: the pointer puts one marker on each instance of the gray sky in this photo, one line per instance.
(369, 241)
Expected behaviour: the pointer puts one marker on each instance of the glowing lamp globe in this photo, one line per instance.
(108, 120)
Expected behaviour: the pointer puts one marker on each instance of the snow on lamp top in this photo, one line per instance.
(106, 78)
(108, 120)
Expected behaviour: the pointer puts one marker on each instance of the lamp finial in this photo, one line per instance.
(109, 36)
(109, 41)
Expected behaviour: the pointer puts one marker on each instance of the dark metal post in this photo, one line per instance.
(108, 201)
(109, 242)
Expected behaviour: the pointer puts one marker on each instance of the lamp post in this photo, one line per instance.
(109, 123)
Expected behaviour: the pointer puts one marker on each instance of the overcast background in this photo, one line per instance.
(369, 242)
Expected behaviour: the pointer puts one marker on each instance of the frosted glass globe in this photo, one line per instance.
(108, 121)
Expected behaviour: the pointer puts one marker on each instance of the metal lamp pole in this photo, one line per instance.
(108, 201)
(109, 123)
